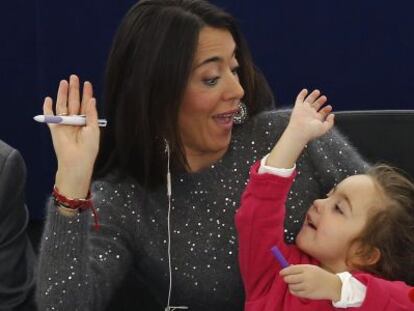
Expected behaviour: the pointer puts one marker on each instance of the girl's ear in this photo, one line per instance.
(366, 256)
(373, 256)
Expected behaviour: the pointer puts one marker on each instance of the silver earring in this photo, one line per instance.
(242, 115)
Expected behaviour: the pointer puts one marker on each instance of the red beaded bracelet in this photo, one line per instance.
(76, 204)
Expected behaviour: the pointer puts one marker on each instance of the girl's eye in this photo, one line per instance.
(211, 82)
(338, 209)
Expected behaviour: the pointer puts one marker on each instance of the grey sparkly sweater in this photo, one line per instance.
(80, 268)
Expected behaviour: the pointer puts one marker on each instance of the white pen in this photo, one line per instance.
(78, 120)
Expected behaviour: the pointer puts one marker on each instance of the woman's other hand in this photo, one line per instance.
(76, 147)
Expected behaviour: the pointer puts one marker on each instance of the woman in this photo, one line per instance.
(177, 76)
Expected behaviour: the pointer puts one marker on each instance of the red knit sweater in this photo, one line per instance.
(260, 225)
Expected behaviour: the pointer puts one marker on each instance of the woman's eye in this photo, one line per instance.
(235, 70)
(211, 82)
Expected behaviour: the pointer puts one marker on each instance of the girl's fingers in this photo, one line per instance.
(325, 111)
(310, 99)
(329, 122)
(62, 96)
(319, 102)
(293, 278)
(301, 96)
(292, 269)
(87, 94)
(296, 287)
(74, 95)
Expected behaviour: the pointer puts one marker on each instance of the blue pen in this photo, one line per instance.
(280, 258)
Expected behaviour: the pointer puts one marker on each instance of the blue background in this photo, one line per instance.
(360, 53)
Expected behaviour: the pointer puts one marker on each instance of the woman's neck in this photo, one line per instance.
(198, 161)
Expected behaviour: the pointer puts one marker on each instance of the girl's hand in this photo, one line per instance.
(312, 282)
(309, 119)
(76, 147)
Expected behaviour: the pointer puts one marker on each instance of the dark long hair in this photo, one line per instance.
(147, 72)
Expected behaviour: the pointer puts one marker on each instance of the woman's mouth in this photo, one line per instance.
(225, 119)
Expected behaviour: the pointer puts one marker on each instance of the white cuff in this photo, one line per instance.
(282, 172)
(352, 293)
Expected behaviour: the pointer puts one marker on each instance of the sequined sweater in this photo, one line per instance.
(80, 269)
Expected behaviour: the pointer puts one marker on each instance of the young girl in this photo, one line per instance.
(354, 244)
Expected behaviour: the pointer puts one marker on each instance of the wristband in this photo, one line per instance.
(75, 204)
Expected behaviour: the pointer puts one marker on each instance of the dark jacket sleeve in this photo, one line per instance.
(17, 259)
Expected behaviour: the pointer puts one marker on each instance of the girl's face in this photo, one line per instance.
(332, 223)
(212, 96)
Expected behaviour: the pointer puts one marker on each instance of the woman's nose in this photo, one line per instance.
(234, 90)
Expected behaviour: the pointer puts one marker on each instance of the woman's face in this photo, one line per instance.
(212, 96)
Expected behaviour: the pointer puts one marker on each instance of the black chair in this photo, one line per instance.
(381, 135)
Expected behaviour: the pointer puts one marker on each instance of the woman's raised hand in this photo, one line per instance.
(76, 147)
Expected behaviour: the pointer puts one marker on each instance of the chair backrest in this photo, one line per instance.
(381, 135)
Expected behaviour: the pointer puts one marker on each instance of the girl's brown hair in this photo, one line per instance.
(390, 229)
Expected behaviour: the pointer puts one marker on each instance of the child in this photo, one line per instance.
(354, 244)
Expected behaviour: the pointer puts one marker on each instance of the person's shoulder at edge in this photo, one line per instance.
(11, 165)
(5, 151)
